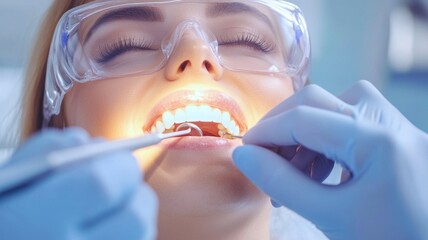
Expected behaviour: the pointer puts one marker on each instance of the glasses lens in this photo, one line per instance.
(130, 38)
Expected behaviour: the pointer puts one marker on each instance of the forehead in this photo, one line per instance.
(157, 13)
(212, 9)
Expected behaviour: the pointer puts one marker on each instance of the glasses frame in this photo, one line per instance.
(60, 76)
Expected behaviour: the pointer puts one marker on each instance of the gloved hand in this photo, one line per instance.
(387, 195)
(100, 198)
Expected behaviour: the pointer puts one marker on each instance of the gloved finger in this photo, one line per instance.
(333, 135)
(362, 90)
(364, 94)
(91, 187)
(283, 182)
(47, 141)
(313, 96)
(135, 219)
(321, 168)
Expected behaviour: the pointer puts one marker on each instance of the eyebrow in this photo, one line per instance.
(225, 9)
(146, 14)
(153, 14)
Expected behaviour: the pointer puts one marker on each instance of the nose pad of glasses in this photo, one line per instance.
(185, 29)
(190, 47)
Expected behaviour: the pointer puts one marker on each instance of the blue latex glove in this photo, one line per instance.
(387, 195)
(100, 198)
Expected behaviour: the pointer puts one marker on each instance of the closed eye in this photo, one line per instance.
(251, 40)
(122, 46)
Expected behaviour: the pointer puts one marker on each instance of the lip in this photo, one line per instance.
(183, 98)
(199, 143)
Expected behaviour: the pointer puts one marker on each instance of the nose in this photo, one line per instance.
(192, 55)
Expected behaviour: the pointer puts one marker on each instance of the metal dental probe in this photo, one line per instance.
(229, 135)
(19, 174)
(199, 130)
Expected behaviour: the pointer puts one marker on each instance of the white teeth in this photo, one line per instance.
(160, 127)
(225, 119)
(180, 116)
(216, 115)
(205, 113)
(192, 113)
(231, 125)
(168, 119)
(235, 130)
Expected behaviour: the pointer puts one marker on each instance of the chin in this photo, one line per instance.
(200, 182)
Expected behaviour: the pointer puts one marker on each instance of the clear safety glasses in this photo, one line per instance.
(114, 38)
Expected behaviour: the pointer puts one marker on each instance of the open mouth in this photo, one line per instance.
(211, 121)
(214, 113)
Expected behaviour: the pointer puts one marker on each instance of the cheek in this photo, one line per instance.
(103, 109)
(262, 94)
(275, 91)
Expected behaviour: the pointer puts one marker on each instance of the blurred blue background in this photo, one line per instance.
(383, 41)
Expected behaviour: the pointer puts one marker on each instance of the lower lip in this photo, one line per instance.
(199, 143)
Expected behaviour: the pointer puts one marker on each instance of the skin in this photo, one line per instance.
(201, 193)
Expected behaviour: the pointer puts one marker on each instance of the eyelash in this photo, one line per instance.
(123, 45)
(251, 40)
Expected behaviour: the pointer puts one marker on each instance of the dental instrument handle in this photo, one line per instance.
(66, 156)
(17, 175)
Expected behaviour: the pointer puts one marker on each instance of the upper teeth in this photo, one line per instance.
(193, 113)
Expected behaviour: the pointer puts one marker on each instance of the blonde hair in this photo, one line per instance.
(34, 80)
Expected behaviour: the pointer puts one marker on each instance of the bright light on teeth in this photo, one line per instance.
(194, 114)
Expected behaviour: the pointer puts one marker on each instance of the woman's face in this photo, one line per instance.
(195, 172)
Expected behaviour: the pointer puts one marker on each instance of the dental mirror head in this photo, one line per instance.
(195, 130)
